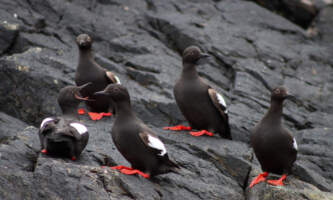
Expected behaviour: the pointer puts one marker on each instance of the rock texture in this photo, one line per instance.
(253, 50)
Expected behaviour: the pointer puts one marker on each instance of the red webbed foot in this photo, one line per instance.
(277, 182)
(95, 116)
(200, 133)
(178, 128)
(80, 111)
(260, 178)
(106, 114)
(129, 171)
(43, 151)
(73, 158)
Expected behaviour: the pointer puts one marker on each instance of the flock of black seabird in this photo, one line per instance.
(202, 106)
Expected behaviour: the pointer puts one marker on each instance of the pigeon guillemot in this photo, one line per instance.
(89, 71)
(273, 145)
(201, 105)
(135, 141)
(64, 135)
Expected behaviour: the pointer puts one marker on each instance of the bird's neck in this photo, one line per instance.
(124, 110)
(189, 71)
(70, 112)
(85, 56)
(274, 113)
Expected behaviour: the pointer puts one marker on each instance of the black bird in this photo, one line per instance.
(89, 71)
(64, 136)
(273, 145)
(135, 141)
(201, 105)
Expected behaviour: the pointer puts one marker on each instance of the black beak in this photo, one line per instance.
(204, 55)
(100, 93)
(291, 97)
(77, 94)
(84, 86)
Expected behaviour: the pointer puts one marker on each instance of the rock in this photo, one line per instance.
(9, 127)
(315, 164)
(300, 12)
(25, 82)
(294, 189)
(322, 25)
(252, 50)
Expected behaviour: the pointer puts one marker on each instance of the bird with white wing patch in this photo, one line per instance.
(204, 108)
(88, 70)
(273, 145)
(135, 141)
(64, 136)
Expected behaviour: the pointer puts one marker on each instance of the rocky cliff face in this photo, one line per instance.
(253, 49)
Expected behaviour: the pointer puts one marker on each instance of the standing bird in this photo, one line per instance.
(274, 146)
(201, 105)
(89, 71)
(136, 142)
(64, 135)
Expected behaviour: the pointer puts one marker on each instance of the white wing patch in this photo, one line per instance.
(45, 121)
(156, 143)
(79, 127)
(295, 144)
(221, 101)
(117, 79)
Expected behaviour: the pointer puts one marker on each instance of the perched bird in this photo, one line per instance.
(201, 105)
(135, 141)
(273, 145)
(64, 135)
(89, 71)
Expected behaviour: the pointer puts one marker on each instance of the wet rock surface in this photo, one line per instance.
(252, 49)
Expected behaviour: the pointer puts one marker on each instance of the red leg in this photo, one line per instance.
(80, 111)
(73, 158)
(260, 178)
(134, 171)
(120, 167)
(178, 128)
(277, 182)
(199, 133)
(129, 171)
(43, 151)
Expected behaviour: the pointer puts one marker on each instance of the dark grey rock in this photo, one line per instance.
(298, 11)
(323, 25)
(252, 50)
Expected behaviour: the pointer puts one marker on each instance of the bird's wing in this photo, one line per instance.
(47, 124)
(218, 102)
(291, 144)
(112, 77)
(153, 142)
(77, 130)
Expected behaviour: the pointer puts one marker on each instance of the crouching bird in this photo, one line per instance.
(273, 145)
(203, 107)
(135, 141)
(64, 135)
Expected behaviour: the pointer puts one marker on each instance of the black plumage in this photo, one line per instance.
(89, 71)
(64, 135)
(202, 106)
(274, 146)
(135, 141)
